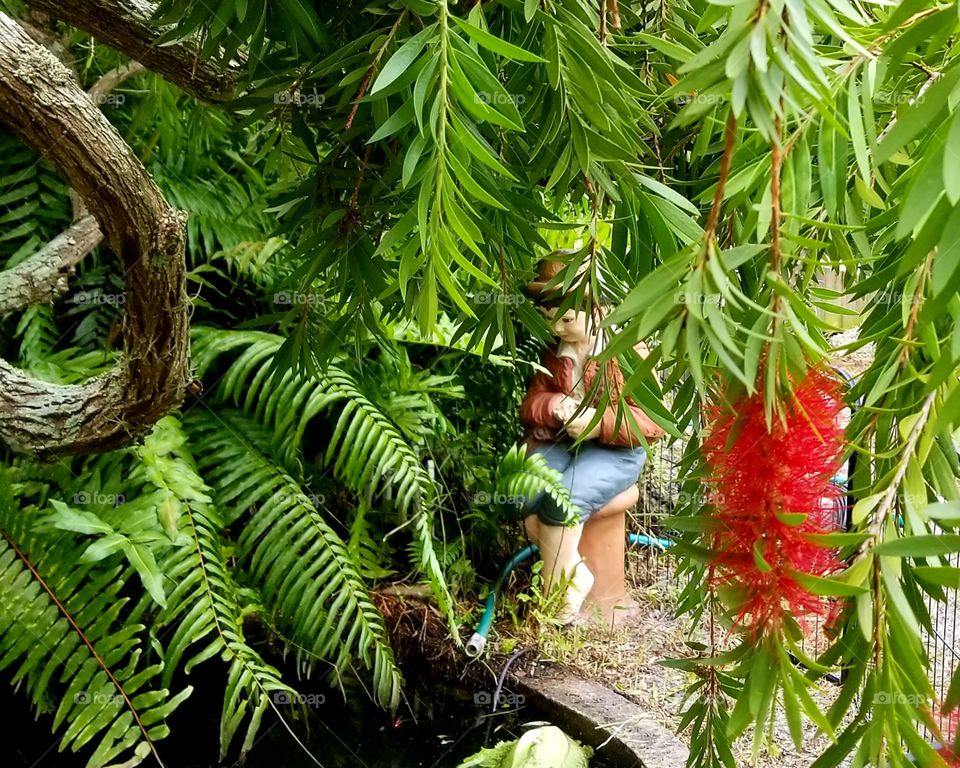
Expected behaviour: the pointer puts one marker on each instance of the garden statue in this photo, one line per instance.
(601, 472)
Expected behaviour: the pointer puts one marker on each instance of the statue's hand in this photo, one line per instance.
(564, 409)
(578, 425)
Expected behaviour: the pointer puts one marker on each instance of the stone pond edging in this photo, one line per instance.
(613, 725)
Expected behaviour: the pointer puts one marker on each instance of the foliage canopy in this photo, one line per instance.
(364, 216)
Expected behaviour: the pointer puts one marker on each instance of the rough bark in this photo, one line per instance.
(98, 93)
(39, 26)
(125, 25)
(43, 276)
(43, 106)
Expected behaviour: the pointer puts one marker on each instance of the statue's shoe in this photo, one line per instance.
(593, 614)
(577, 590)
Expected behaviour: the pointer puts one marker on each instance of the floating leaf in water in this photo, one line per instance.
(546, 747)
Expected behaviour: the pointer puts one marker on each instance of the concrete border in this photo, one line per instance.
(597, 715)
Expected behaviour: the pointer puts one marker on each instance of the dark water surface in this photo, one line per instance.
(434, 732)
(441, 735)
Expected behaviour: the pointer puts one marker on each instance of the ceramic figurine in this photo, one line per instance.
(601, 473)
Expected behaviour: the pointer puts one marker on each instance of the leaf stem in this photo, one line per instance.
(441, 120)
(364, 84)
(776, 164)
(729, 141)
(883, 508)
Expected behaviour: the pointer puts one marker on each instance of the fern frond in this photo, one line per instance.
(366, 446)
(304, 568)
(407, 395)
(94, 306)
(424, 548)
(38, 334)
(223, 211)
(70, 366)
(208, 614)
(366, 449)
(255, 260)
(204, 606)
(525, 476)
(58, 615)
(363, 549)
(34, 201)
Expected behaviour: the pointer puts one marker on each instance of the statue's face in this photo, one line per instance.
(571, 326)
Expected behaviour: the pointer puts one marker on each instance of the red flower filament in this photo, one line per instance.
(950, 752)
(771, 488)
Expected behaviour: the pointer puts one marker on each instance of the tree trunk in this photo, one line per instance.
(42, 104)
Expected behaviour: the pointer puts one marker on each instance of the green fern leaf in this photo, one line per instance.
(204, 607)
(367, 450)
(59, 616)
(304, 569)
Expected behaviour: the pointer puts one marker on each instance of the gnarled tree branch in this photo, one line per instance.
(41, 103)
(105, 85)
(43, 276)
(125, 25)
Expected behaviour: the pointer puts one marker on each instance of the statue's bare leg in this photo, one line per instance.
(602, 547)
(562, 563)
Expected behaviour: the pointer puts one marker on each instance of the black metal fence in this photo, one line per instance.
(659, 495)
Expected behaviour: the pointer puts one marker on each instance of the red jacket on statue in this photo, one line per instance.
(537, 410)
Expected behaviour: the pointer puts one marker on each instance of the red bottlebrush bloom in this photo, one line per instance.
(950, 756)
(771, 487)
(950, 752)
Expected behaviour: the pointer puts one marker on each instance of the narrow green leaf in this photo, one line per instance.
(478, 148)
(921, 114)
(399, 119)
(471, 185)
(920, 546)
(948, 511)
(412, 158)
(942, 576)
(671, 49)
(402, 58)
(821, 585)
(951, 161)
(496, 44)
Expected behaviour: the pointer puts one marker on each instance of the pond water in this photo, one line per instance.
(438, 732)
(441, 734)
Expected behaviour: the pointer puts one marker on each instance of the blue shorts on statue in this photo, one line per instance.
(594, 475)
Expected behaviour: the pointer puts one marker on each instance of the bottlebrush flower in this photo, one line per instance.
(771, 488)
(950, 756)
(951, 751)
